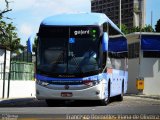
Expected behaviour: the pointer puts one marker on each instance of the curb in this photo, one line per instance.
(156, 97)
(151, 97)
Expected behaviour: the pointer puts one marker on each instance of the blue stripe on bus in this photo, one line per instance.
(95, 77)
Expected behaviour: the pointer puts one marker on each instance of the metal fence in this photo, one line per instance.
(22, 71)
(23, 57)
(19, 71)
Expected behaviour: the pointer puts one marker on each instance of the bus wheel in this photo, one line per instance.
(53, 103)
(120, 97)
(107, 99)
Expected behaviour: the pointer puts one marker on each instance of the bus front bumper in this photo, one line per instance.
(92, 93)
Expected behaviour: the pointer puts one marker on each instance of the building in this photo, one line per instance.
(144, 62)
(132, 11)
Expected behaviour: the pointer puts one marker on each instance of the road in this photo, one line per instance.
(134, 106)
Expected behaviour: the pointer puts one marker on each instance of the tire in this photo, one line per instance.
(106, 101)
(120, 97)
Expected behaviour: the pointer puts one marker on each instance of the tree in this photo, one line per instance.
(2, 23)
(8, 37)
(135, 29)
(6, 9)
(124, 28)
(157, 26)
(147, 28)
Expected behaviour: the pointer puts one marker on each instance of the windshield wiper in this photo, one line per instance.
(77, 65)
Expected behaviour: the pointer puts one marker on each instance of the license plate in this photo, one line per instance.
(66, 94)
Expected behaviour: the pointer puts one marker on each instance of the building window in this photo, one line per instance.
(133, 50)
(117, 8)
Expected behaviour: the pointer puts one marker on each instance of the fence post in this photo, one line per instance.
(4, 74)
(9, 76)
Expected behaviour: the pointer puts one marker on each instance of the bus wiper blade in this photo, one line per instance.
(77, 65)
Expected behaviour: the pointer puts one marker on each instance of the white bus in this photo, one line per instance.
(80, 57)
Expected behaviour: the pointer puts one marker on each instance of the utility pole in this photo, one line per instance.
(151, 17)
(140, 25)
(120, 14)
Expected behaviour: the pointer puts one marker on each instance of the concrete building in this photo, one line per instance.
(133, 11)
(144, 62)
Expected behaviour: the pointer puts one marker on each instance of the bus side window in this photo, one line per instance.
(105, 27)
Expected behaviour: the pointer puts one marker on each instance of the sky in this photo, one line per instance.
(28, 14)
(152, 5)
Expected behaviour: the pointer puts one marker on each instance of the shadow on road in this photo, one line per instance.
(33, 102)
(22, 102)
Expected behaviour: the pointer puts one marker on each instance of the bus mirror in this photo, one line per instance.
(29, 43)
(105, 42)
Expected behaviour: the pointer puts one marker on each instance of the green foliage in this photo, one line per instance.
(34, 46)
(135, 29)
(157, 26)
(147, 28)
(8, 36)
(124, 28)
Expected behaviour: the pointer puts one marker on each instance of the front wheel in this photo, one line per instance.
(105, 101)
(120, 97)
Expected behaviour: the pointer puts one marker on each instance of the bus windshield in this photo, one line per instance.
(68, 55)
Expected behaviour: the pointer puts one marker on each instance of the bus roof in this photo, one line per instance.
(78, 19)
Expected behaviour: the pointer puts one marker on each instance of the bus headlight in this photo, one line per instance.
(42, 83)
(90, 82)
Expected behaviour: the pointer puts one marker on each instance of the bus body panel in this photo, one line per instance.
(117, 77)
(82, 92)
(85, 94)
(79, 92)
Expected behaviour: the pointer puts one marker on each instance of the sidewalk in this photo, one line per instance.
(157, 97)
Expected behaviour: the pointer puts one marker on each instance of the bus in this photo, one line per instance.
(80, 56)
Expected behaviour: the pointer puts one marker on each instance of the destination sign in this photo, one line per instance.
(50, 31)
(72, 32)
(84, 32)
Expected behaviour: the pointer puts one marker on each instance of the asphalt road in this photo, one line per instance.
(135, 106)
